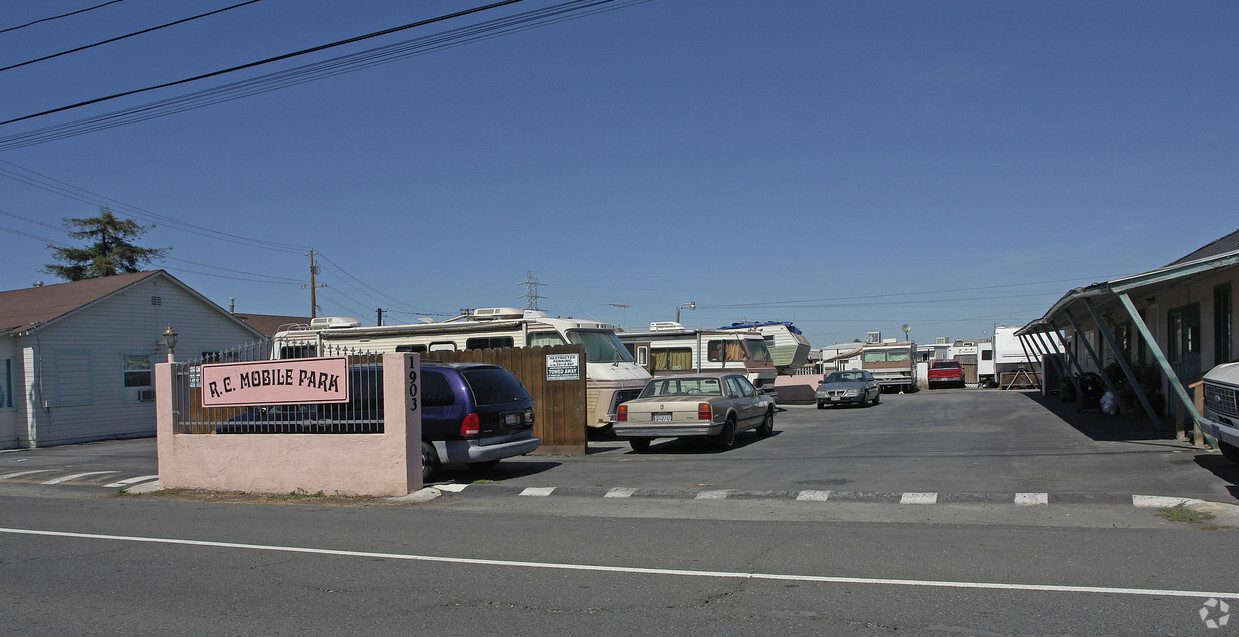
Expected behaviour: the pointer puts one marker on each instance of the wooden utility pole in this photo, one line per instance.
(313, 287)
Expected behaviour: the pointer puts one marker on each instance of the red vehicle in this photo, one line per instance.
(946, 372)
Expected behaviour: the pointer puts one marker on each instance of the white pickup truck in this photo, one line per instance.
(1220, 417)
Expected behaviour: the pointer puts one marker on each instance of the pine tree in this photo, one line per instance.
(109, 252)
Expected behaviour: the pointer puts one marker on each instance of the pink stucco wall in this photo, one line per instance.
(387, 464)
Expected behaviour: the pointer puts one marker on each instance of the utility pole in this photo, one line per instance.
(380, 323)
(313, 287)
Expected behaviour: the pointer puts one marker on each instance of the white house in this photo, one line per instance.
(76, 359)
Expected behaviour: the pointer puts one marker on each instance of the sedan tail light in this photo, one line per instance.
(470, 425)
(621, 414)
(703, 411)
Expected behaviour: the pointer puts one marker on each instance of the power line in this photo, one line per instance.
(308, 73)
(250, 65)
(128, 35)
(57, 17)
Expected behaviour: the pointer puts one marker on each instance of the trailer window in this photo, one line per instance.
(729, 350)
(488, 342)
(674, 359)
(758, 351)
(544, 339)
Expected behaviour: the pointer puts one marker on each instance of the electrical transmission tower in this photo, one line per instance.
(531, 295)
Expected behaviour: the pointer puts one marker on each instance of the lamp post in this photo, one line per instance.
(169, 339)
(692, 305)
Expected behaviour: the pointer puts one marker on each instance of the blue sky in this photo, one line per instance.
(852, 166)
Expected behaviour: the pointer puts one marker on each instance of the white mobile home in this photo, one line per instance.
(669, 348)
(77, 359)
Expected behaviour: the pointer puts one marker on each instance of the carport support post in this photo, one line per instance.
(1040, 380)
(1070, 355)
(1171, 378)
(1122, 361)
(1058, 364)
(1101, 368)
(1065, 361)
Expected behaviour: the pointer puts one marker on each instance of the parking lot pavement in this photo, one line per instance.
(946, 446)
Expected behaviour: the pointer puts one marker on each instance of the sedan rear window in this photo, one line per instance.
(682, 387)
(494, 386)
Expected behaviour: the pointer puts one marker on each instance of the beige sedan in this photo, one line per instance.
(712, 405)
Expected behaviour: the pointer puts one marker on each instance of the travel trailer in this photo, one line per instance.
(613, 377)
(788, 346)
(891, 362)
(978, 358)
(669, 347)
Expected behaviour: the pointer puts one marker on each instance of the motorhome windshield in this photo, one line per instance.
(601, 346)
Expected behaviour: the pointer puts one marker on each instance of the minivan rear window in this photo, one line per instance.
(494, 385)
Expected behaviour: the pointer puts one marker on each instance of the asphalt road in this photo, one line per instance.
(752, 557)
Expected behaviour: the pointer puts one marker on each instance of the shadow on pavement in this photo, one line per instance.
(1101, 426)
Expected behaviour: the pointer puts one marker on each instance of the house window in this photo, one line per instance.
(6, 383)
(138, 370)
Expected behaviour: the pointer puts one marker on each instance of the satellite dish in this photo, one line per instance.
(906, 328)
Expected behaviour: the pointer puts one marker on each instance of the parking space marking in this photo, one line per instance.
(918, 498)
(813, 496)
(538, 492)
(1032, 499)
(665, 572)
(129, 481)
(620, 492)
(713, 495)
(76, 476)
(454, 488)
(23, 473)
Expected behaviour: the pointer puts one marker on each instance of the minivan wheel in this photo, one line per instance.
(726, 438)
(430, 461)
(639, 445)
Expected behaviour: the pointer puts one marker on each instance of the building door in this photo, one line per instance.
(1183, 344)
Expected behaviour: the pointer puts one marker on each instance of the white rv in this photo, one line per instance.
(669, 347)
(787, 344)
(892, 363)
(612, 375)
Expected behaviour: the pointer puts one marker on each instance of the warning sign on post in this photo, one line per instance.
(563, 366)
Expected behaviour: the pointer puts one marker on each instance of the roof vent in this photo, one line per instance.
(491, 313)
(665, 325)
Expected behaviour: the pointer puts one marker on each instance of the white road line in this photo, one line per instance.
(1054, 588)
(454, 488)
(129, 481)
(23, 473)
(538, 492)
(76, 476)
(813, 496)
(713, 495)
(620, 492)
(919, 498)
(1032, 499)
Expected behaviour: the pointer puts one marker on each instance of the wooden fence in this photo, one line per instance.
(559, 405)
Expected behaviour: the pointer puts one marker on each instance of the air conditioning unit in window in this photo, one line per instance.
(146, 395)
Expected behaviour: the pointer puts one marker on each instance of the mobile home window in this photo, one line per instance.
(421, 349)
(731, 350)
(488, 342)
(545, 339)
(672, 359)
(6, 383)
(443, 346)
(138, 370)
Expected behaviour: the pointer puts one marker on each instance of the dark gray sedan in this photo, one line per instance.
(849, 387)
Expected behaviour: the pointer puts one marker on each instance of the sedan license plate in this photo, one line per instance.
(662, 417)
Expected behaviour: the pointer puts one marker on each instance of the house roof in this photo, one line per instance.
(33, 306)
(269, 324)
(1223, 245)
